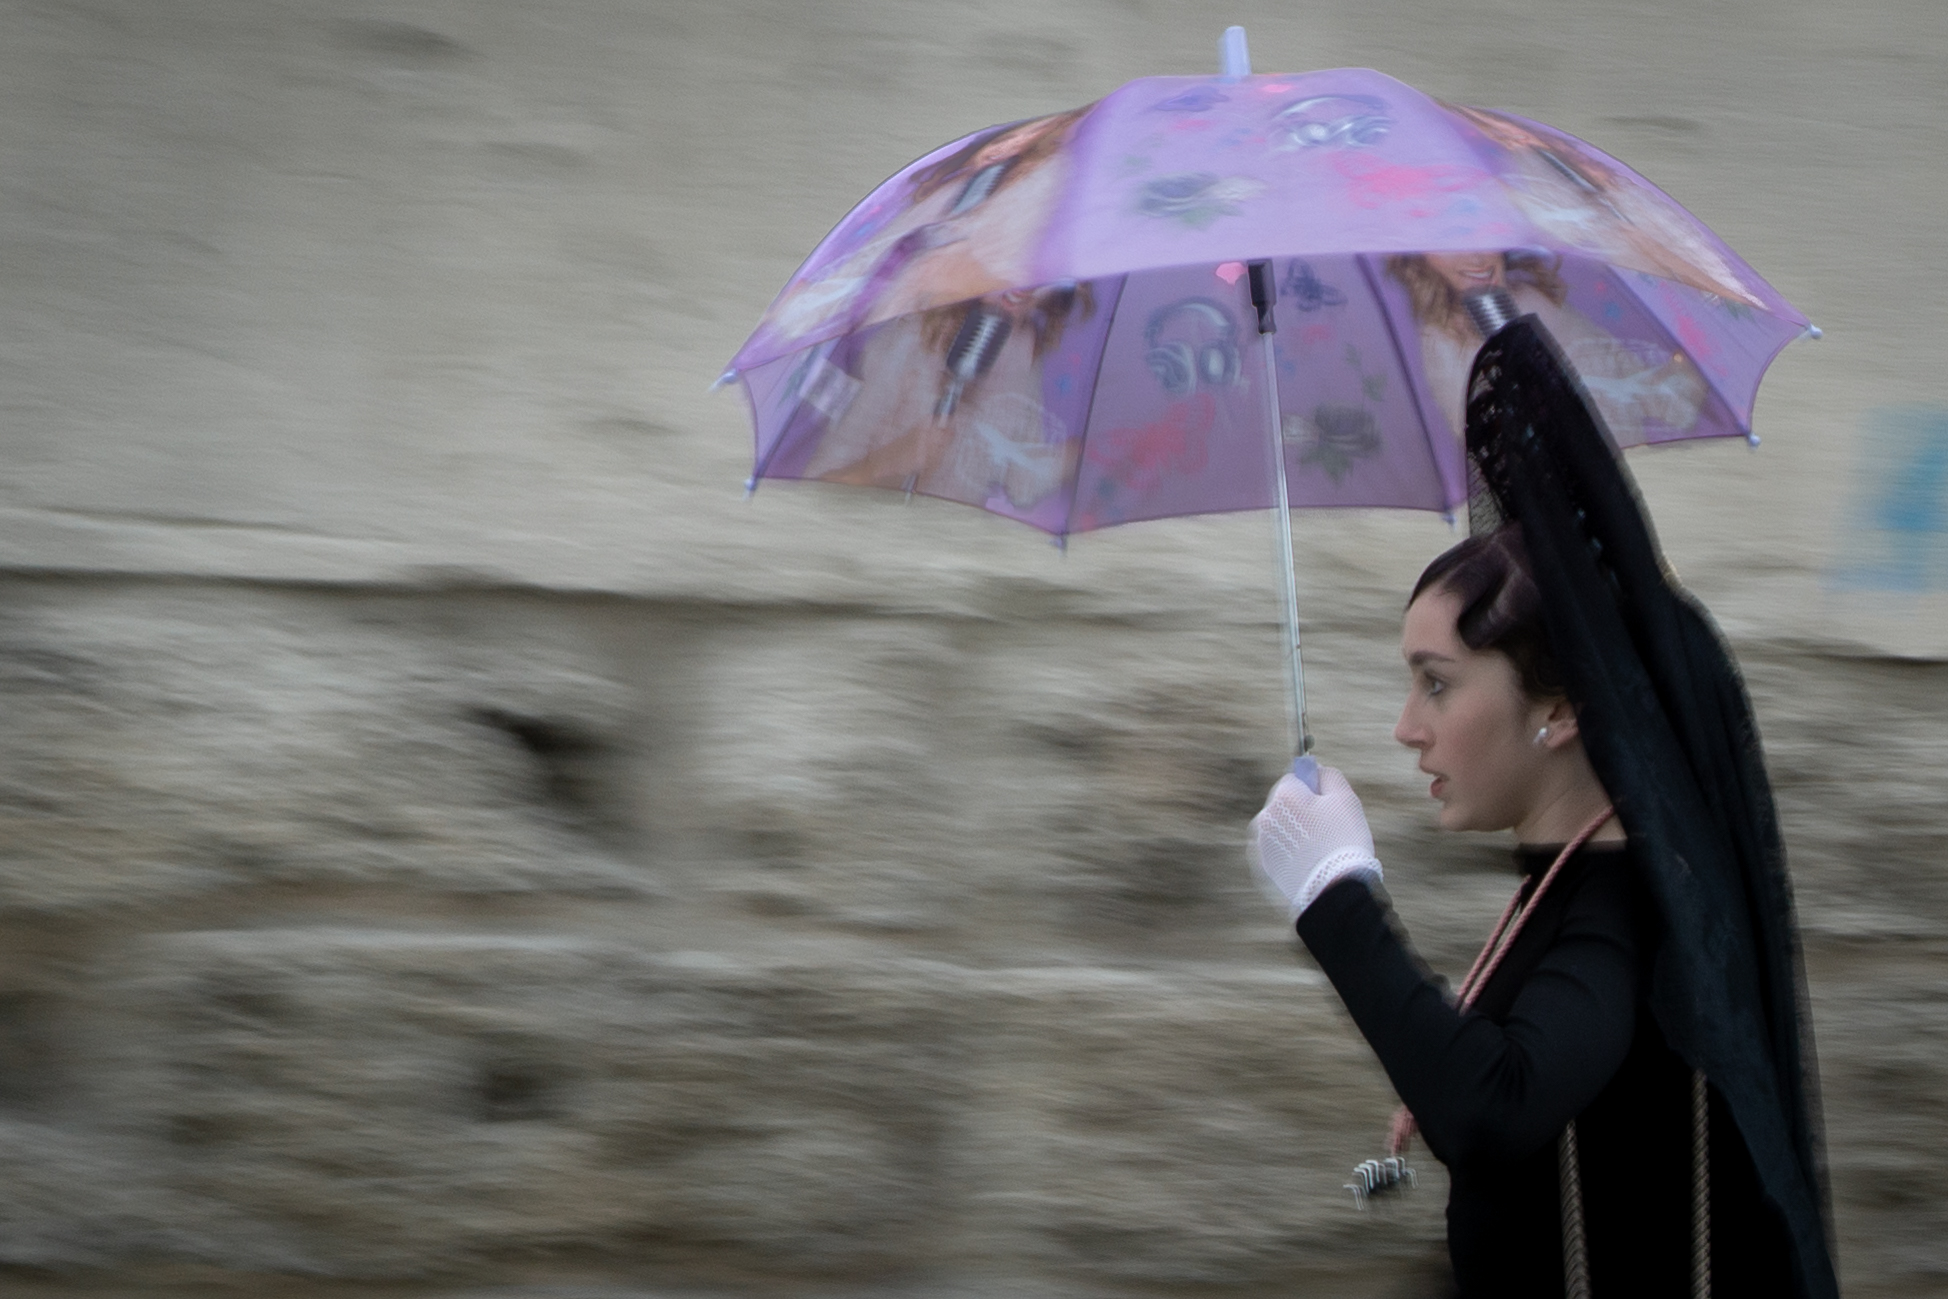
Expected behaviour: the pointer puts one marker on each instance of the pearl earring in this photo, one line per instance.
(1541, 737)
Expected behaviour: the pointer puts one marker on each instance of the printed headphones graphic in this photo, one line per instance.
(1182, 367)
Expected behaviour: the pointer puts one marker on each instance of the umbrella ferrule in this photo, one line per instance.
(1234, 54)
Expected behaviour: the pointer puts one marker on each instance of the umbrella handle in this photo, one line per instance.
(1306, 768)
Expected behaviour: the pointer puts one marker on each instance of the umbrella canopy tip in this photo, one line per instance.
(1814, 332)
(1234, 54)
(727, 377)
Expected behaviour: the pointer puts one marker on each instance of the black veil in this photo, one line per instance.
(1667, 725)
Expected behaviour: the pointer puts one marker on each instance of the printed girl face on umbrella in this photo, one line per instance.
(1466, 272)
(1579, 198)
(991, 435)
(1437, 284)
(969, 228)
(1637, 391)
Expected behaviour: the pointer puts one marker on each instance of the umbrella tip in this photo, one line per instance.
(750, 487)
(1234, 55)
(1751, 439)
(728, 376)
(1814, 331)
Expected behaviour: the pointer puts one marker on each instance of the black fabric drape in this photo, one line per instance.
(1669, 730)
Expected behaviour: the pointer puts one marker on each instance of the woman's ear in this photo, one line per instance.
(1561, 722)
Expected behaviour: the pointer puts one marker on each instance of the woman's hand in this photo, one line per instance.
(1302, 842)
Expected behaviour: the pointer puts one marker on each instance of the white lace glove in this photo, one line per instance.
(1302, 842)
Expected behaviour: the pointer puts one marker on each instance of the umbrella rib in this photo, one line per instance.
(1407, 373)
(766, 455)
(1089, 411)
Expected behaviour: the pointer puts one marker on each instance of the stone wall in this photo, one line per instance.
(478, 933)
(403, 935)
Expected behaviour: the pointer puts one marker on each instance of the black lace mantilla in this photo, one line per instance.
(1669, 729)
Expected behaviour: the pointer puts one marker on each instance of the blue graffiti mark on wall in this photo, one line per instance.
(1897, 532)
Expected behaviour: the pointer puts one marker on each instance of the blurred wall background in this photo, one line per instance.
(451, 844)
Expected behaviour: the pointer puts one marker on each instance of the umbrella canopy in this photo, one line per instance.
(1051, 319)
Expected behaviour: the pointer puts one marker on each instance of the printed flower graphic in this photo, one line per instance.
(1140, 458)
(1197, 198)
(1334, 437)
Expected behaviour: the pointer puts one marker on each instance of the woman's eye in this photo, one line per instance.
(1435, 685)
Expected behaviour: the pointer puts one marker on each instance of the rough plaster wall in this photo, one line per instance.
(452, 846)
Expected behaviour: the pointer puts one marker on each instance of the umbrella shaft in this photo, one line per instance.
(1282, 523)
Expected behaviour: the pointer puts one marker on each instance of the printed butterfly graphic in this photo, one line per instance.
(1307, 291)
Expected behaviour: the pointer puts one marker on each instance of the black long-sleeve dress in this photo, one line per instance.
(1563, 1030)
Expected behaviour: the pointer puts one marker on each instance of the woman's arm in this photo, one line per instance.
(1477, 1088)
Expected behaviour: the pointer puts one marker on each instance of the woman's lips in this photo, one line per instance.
(1434, 790)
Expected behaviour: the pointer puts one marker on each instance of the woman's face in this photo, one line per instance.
(1468, 718)
(1466, 272)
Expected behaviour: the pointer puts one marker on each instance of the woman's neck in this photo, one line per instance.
(1562, 812)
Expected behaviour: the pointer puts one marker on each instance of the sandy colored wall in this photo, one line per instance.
(454, 845)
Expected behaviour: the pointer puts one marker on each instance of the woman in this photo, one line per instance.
(964, 226)
(966, 437)
(1583, 199)
(1638, 395)
(1564, 690)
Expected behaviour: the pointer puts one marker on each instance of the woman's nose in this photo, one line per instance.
(1406, 730)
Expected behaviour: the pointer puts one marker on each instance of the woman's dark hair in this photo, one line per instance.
(1501, 609)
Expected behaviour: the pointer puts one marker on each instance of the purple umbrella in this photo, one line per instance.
(1055, 319)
